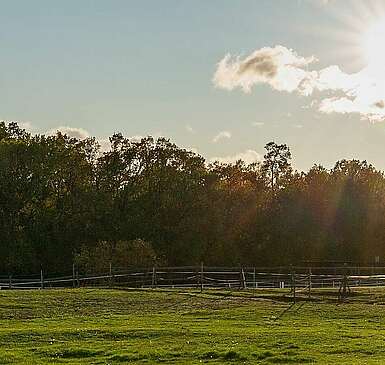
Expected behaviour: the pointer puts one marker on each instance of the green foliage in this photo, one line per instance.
(121, 255)
(276, 164)
(62, 198)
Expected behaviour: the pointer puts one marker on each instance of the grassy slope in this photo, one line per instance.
(95, 326)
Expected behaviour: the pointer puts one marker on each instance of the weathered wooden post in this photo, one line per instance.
(153, 281)
(198, 277)
(73, 276)
(344, 289)
(243, 279)
(41, 279)
(293, 284)
(201, 277)
(10, 281)
(309, 283)
(110, 275)
(254, 279)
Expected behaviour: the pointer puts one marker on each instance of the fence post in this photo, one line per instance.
(10, 281)
(153, 281)
(243, 279)
(41, 279)
(201, 277)
(254, 279)
(73, 275)
(309, 283)
(344, 289)
(77, 278)
(198, 277)
(110, 276)
(293, 284)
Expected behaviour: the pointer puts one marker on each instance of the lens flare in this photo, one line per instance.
(374, 46)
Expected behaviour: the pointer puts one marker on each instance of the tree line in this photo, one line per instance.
(63, 200)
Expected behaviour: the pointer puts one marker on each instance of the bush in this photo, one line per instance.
(121, 254)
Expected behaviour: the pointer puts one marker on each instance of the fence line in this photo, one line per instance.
(298, 279)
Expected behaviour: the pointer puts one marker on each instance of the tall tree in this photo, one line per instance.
(276, 163)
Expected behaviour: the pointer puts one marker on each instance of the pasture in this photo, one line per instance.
(107, 326)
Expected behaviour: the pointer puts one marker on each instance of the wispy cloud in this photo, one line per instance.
(28, 126)
(317, 2)
(189, 129)
(78, 133)
(298, 126)
(248, 156)
(222, 135)
(258, 124)
(191, 149)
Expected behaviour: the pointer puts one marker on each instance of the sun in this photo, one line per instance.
(374, 45)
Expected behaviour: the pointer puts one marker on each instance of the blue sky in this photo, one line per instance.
(147, 67)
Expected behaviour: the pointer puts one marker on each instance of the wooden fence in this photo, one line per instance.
(298, 279)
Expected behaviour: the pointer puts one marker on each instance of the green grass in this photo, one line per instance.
(101, 326)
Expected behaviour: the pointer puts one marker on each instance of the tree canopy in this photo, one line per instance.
(62, 199)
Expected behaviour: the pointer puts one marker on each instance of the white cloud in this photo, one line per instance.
(26, 125)
(105, 144)
(279, 67)
(189, 129)
(248, 156)
(283, 69)
(23, 125)
(258, 124)
(339, 105)
(222, 135)
(78, 133)
(191, 149)
(136, 138)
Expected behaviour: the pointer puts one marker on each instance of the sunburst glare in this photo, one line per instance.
(373, 41)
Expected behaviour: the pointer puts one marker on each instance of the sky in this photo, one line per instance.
(221, 77)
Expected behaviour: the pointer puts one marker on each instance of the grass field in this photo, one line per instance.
(101, 326)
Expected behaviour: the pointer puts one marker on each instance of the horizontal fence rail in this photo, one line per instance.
(299, 280)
